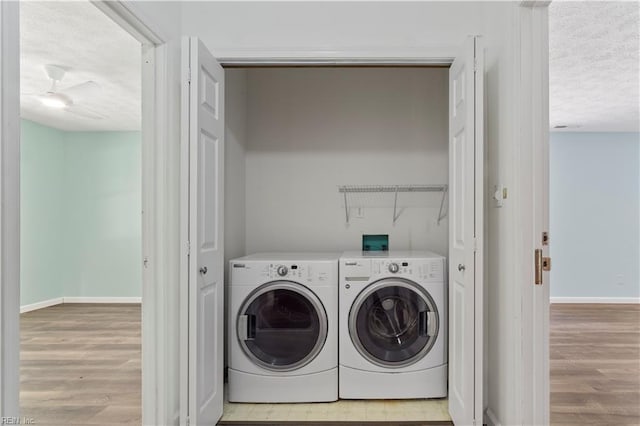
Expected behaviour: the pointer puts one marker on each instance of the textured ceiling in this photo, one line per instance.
(79, 37)
(593, 66)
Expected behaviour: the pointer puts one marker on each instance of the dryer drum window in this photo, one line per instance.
(393, 323)
(282, 326)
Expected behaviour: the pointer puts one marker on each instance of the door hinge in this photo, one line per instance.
(545, 238)
(188, 248)
(189, 76)
(537, 259)
(145, 262)
(188, 421)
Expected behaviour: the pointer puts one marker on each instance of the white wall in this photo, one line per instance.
(595, 234)
(239, 29)
(234, 172)
(502, 297)
(311, 130)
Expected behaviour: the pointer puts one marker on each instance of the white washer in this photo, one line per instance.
(393, 328)
(283, 328)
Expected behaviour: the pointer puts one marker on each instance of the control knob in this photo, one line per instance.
(393, 268)
(282, 270)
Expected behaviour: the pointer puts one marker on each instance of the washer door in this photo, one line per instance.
(393, 322)
(282, 326)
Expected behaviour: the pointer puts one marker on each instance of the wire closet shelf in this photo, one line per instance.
(395, 189)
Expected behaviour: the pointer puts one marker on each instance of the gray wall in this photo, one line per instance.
(234, 172)
(594, 215)
(311, 130)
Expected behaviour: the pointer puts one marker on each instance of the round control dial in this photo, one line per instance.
(393, 268)
(282, 270)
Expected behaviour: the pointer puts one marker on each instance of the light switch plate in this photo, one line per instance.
(499, 195)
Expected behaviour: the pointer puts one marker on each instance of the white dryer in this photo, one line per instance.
(283, 328)
(393, 329)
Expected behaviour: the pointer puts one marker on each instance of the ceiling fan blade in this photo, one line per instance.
(81, 90)
(83, 112)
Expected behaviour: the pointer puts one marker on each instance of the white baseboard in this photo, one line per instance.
(102, 300)
(40, 305)
(61, 300)
(595, 299)
(491, 419)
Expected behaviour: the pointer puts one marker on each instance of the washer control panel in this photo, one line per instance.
(282, 270)
(426, 270)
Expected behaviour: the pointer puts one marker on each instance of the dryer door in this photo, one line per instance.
(393, 322)
(282, 326)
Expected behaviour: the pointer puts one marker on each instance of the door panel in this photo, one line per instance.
(465, 256)
(206, 345)
(206, 162)
(456, 344)
(207, 185)
(458, 151)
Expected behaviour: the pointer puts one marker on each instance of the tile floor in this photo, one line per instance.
(343, 410)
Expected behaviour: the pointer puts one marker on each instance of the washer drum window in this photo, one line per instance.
(282, 326)
(393, 322)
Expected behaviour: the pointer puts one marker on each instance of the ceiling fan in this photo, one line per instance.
(68, 99)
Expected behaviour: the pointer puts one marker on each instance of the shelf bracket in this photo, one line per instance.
(346, 206)
(395, 207)
(444, 193)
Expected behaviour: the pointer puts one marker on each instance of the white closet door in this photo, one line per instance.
(206, 258)
(465, 235)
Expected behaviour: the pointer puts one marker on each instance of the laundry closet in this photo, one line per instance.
(295, 136)
(317, 157)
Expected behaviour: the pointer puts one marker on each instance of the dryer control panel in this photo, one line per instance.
(310, 273)
(301, 272)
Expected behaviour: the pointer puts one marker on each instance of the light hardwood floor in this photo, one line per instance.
(595, 364)
(80, 365)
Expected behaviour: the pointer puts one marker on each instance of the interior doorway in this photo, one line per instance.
(81, 220)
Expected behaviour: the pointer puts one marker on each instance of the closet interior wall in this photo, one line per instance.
(294, 135)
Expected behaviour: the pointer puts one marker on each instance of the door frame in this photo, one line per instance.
(431, 57)
(532, 181)
(10, 209)
(532, 116)
(155, 197)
